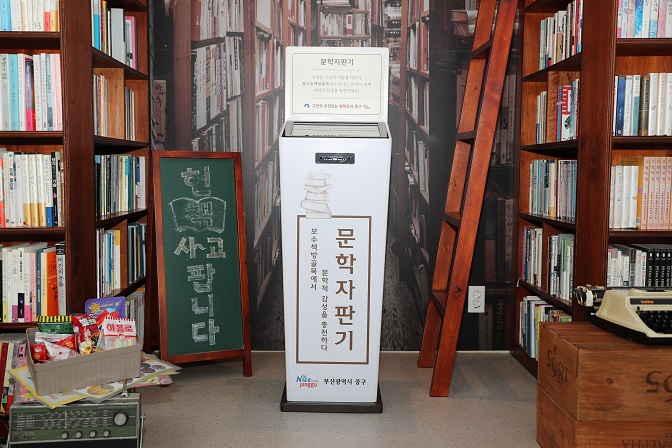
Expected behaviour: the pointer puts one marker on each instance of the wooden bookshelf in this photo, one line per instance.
(79, 145)
(602, 57)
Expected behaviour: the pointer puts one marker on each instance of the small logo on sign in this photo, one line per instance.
(304, 381)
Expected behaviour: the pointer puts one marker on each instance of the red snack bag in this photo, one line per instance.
(39, 353)
(86, 329)
(59, 346)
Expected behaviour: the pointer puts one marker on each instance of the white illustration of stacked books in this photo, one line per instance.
(315, 203)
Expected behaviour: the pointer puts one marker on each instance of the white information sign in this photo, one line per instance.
(329, 84)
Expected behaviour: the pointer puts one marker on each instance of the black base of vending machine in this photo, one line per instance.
(324, 407)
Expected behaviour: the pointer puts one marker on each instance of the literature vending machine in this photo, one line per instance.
(335, 152)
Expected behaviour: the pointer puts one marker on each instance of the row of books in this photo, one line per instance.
(648, 181)
(296, 37)
(417, 52)
(269, 116)
(644, 19)
(416, 90)
(265, 190)
(33, 281)
(31, 186)
(120, 183)
(30, 15)
(234, 126)
(135, 309)
(296, 11)
(419, 161)
(234, 66)
(639, 265)
(345, 23)
(114, 33)
(225, 133)
(497, 221)
(560, 35)
(108, 258)
(623, 197)
(643, 104)
(532, 255)
(269, 64)
(561, 265)
(492, 324)
(102, 122)
(30, 92)
(503, 146)
(13, 354)
(211, 19)
(269, 16)
(209, 95)
(564, 112)
(355, 42)
(533, 311)
(137, 250)
(552, 190)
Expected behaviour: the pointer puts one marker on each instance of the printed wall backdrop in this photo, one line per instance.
(218, 85)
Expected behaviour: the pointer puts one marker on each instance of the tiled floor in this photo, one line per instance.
(491, 404)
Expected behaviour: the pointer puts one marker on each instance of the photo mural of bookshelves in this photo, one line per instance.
(78, 99)
(492, 262)
(268, 26)
(206, 92)
(392, 40)
(574, 131)
(413, 178)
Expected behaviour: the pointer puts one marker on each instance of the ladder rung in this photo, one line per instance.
(439, 298)
(466, 136)
(483, 51)
(453, 218)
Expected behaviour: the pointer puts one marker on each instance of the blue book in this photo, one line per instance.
(639, 5)
(14, 92)
(96, 26)
(5, 16)
(653, 21)
(50, 116)
(620, 105)
(636, 88)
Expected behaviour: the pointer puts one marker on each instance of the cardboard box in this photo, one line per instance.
(556, 428)
(82, 371)
(599, 376)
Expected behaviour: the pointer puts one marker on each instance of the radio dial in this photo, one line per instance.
(106, 433)
(78, 435)
(64, 435)
(120, 419)
(92, 433)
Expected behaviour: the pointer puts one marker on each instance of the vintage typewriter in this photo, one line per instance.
(641, 315)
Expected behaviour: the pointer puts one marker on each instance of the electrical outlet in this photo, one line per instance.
(476, 299)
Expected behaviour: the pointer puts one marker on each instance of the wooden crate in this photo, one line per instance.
(599, 376)
(556, 428)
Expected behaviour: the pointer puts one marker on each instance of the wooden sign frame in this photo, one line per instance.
(164, 301)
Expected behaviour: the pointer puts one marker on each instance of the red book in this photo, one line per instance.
(3, 363)
(52, 282)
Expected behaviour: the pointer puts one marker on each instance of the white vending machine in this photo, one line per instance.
(335, 152)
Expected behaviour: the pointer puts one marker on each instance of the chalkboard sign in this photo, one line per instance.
(203, 301)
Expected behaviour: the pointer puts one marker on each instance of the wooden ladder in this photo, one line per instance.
(473, 145)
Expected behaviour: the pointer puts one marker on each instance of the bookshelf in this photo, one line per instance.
(392, 40)
(593, 147)
(419, 185)
(269, 27)
(353, 23)
(123, 133)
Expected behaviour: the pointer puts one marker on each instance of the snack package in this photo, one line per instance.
(118, 333)
(55, 324)
(58, 346)
(86, 329)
